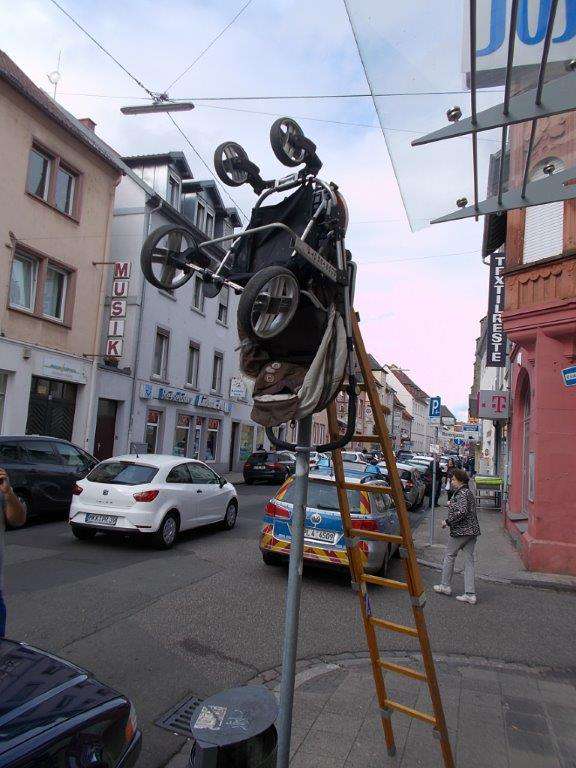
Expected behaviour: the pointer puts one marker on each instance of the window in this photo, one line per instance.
(39, 452)
(174, 192)
(181, 435)
(193, 365)
(71, 456)
(200, 215)
(153, 424)
(198, 297)
(217, 372)
(160, 361)
(544, 224)
(179, 474)
(54, 293)
(23, 282)
(3, 380)
(64, 192)
(212, 439)
(202, 474)
(122, 473)
(51, 179)
(209, 223)
(223, 299)
(9, 452)
(38, 179)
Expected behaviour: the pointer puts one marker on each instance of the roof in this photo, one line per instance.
(156, 459)
(374, 364)
(209, 187)
(15, 77)
(416, 392)
(447, 413)
(177, 159)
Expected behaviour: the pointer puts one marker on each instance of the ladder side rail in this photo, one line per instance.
(356, 571)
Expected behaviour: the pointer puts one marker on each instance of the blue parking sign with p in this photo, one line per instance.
(435, 410)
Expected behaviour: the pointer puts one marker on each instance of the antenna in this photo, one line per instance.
(55, 75)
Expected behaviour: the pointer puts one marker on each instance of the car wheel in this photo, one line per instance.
(165, 537)
(83, 534)
(270, 558)
(230, 517)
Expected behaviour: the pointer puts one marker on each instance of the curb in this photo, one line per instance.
(517, 581)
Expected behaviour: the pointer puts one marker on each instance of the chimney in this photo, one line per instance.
(87, 122)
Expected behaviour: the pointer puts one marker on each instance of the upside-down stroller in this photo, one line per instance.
(295, 277)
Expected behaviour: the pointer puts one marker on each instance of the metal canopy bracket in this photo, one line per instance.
(558, 97)
(557, 187)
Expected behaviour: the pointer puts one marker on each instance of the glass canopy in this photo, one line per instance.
(417, 60)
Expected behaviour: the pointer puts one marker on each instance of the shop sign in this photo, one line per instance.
(145, 391)
(569, 376)
(238, 388)
(470, 427)
(496, 338)
(214, 403)
(115, 340)
(492, 404)
(173, 395)
(59, 368)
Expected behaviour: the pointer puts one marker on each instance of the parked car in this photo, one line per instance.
(54, 713)
(412, 482)
(43, 471)
(316, 457)
(356, 469)
(360, 456)
(324, 535)
(269, 466)
(425, 465)
(151, 495)
(403, 455)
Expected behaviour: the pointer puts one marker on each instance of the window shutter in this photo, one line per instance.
(544, 227)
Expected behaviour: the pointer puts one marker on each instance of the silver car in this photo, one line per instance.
(412, 482)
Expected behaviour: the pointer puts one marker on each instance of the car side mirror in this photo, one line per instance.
(222, 481)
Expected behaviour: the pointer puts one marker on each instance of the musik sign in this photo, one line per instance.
(115, 340)
(496, 341)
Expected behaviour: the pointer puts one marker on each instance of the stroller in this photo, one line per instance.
(295, 277)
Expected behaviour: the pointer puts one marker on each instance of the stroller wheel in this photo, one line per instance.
(281, 134)
(229, 159)
(268, 303)
(168, 255)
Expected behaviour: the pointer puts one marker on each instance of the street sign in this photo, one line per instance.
(458, 441)
(435, 409)
(569, 376)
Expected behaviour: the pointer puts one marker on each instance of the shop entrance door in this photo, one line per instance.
(51, 408)
(527, 469)
(232, 452)
(105, 428)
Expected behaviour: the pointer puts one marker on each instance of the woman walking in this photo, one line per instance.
(450, 467)
(464, 530)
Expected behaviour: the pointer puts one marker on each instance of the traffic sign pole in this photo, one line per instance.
(435, 416)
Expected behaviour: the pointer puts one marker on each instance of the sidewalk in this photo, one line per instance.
(496, 557)
(498, 715)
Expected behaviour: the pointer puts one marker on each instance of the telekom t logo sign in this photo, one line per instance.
(499, 403)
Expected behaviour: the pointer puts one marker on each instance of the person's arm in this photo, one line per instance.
(458, 509)
(15, 510)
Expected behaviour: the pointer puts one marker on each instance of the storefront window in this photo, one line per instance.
(212, 439)
(153, 424)
(246, 441)
(181, 434)
(3, 378)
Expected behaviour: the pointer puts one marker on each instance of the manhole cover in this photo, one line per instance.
(178, 719)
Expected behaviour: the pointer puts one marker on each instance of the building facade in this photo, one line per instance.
(56, 199)
(173, 384)
(415, 401)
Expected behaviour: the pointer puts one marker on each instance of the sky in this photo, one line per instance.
(420, 294)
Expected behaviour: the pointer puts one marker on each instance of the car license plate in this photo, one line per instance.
(101, 519)
(316, 535)
(259, 466)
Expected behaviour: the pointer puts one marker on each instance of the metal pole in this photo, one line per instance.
(432, 504)
(293, 591)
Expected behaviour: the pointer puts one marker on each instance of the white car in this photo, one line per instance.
(152, 495)
(358, 457)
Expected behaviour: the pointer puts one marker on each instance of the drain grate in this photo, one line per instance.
(179, 718)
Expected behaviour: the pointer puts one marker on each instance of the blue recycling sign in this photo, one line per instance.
(569, 376)
(435, 409)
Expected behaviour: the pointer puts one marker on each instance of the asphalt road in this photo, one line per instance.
(208, 614)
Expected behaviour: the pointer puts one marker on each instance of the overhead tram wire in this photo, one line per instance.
(207, 48)
(204, 163)
(104, 50)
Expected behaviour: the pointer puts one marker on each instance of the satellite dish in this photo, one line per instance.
(54, 77)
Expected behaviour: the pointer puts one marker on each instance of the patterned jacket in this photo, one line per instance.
(462, 519)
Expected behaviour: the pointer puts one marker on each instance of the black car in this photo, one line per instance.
(53, 713)
(271, 466)
(43, 471)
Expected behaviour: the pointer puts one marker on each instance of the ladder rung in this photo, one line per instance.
(376, 535)
(424, 716)
(393, 627)
(400, 670)
(378, 580)
(365, 439)
(365, 487)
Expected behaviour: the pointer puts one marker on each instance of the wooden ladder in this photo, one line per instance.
(413, 584)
